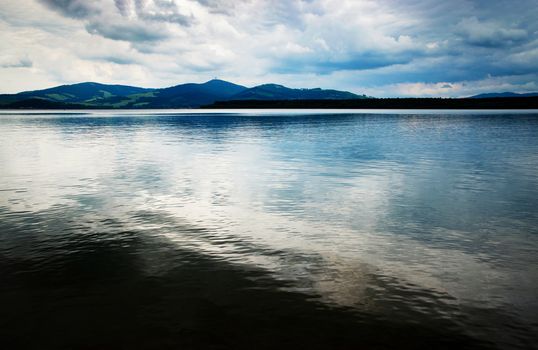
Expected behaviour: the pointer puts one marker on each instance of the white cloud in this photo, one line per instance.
(489, 33)
(360, 45)
(465, 88)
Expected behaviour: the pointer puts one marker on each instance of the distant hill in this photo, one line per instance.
(95, 95)
(279, 92)
(191, 95)
(85, 93)
(504, 94)
(222, 94)
(194, 95)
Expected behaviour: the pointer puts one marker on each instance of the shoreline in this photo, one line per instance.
(496, 103)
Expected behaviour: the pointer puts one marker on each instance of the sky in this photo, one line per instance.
(379, 48)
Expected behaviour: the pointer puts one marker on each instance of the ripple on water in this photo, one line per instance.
(325, 230)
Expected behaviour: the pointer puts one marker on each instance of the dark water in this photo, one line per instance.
(243, 231)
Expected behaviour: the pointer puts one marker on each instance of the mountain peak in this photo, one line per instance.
(219, 82)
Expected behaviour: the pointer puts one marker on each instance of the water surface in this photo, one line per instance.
(266, 229)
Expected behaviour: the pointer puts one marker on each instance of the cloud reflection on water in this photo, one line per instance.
(338, 206)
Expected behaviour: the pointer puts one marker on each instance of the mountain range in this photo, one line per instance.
(190, 95)
(505, 94)
(222, 94)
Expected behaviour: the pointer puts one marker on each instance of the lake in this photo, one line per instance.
(268, 229)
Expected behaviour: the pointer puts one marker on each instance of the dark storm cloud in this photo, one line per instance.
(132, 32)
(72, 8)
(169, 17)
(126, 20)
(489, 34)
(451, 41)
(165, 11)
(354, 62)
(123, 6)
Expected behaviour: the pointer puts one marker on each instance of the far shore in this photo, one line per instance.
(496, 103)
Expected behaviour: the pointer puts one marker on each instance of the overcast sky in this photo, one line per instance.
(380, 48)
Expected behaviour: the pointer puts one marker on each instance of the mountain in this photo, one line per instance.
(86, 93)
(504, 94)
(191, 95)
(279, 92)
(194, 95)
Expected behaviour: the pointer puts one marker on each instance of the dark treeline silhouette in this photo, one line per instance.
(369, 103)
(39, 103)
(389, 103)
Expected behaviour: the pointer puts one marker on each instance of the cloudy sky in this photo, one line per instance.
(380, 48)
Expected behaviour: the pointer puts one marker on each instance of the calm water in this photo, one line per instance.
(268, 230)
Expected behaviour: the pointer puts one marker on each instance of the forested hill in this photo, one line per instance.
(190, 95)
